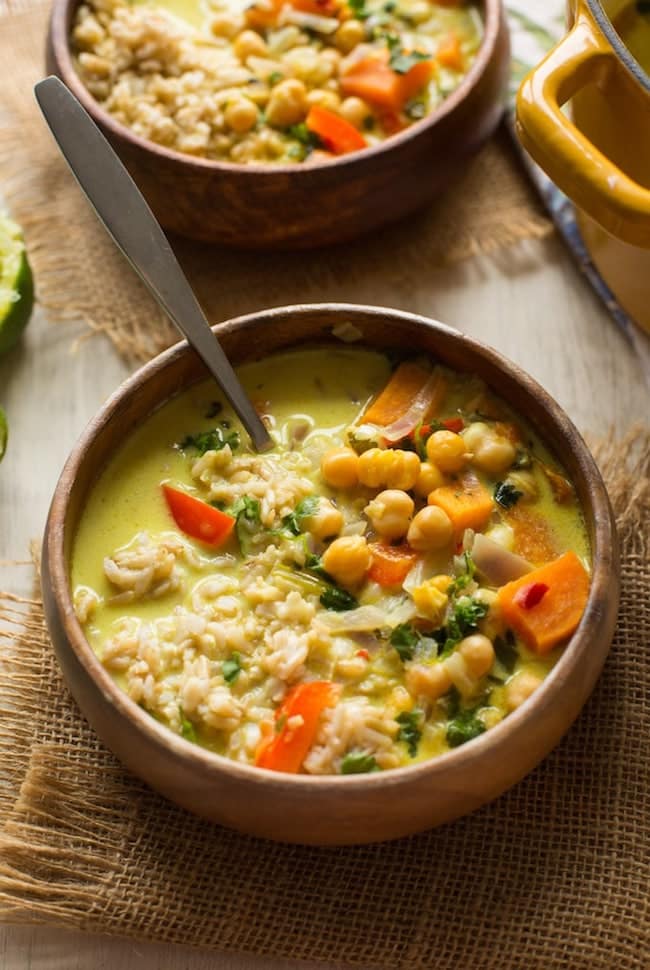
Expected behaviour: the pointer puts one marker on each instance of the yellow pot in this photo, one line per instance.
(601, 155)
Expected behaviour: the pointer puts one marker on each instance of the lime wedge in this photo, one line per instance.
(4, 433)
(16, 285)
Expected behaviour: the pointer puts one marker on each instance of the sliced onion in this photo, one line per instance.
(496, 564)
(424, 402)
(365, 619)
(310, 21)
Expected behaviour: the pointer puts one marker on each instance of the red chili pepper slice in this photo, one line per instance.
(531, 595)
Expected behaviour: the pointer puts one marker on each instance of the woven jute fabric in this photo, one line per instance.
(554, 874)
(79, 272)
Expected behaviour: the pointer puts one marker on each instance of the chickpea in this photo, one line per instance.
(427, 680)
(355, 110)
(349, 34)
(520, 688)
(390, 513)
(340, 467)
(478, 653)
(250, 43)
(491, 452)
(430, 477)
(241, 115)
(287, 104)
(492, 624)
(447, 450)
(325, 99)
(389, 466)
(430, 529)
(333, 56)
(326, 522)
(495, 457)
(226, 25)
(347, 560)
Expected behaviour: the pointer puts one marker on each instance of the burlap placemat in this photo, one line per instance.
(80, 273)
(554, 874)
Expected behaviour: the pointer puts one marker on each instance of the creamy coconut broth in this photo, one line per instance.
(392, 580)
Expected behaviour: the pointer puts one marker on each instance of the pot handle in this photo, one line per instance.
(598, 186)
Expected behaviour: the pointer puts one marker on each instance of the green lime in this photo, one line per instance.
(16, 285)
(4, 433)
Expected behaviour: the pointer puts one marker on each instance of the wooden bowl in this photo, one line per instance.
(255, 206)
(325, 810)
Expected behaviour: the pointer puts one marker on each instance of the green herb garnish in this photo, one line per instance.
(187, 728)
(213, 440)
(506, 656)
(358, 763)
(275, 76)
(463, 579)
(464, 618)
(410, 731)
(231, 668)
(405, 640)
(303, 510)
(506, 495)
(401, 62)
(464, 727)
(247, 513)
(415, 110)
(337, 599)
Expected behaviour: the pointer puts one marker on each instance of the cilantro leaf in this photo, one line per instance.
(358, 763)
(464, 618)
(358, 8)
(401, 62)
(506, 495)
(464, 727)
(187, 728)
(213, 440)
(337, 599)
(231, 668)
(303, 510)
(463, 579)
(410, 731)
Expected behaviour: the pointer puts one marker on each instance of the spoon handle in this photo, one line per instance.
(129, 221)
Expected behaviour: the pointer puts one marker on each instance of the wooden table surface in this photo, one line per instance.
(528, 301)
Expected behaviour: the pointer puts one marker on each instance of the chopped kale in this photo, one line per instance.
(401, 62)
(410, 731)
(358, 763)
(303, 510)
(464, 727)
(405, 640)
(314, 564)
(358, 8)
(465, 615)
(335, 598)
(213, 440)
(506, 495)
(506, 652)
(231, 668)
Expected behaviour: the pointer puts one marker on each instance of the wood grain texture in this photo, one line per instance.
(318, 203)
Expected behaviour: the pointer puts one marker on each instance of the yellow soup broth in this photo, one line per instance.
(347, 620)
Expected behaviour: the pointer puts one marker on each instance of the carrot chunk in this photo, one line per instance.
(296, 725)
(467, 503)
(545, 606)
(397, 397)
(390, 564)
(449, 54)
(373, 79)
(337, 134)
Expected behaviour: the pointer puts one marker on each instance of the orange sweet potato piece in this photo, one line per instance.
(373, 79)
(467, 503)
(449, 53)
(545, 620)
(534, 538)
(397, 396)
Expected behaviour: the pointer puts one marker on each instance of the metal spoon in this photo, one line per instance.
(131, 224)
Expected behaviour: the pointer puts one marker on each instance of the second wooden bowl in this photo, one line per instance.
(256, 206)
(326, 810)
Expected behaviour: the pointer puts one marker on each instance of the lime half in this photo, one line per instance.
(4, 433)
(16, 285)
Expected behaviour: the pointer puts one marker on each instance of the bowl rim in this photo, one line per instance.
(493, 20)
(604, 559)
